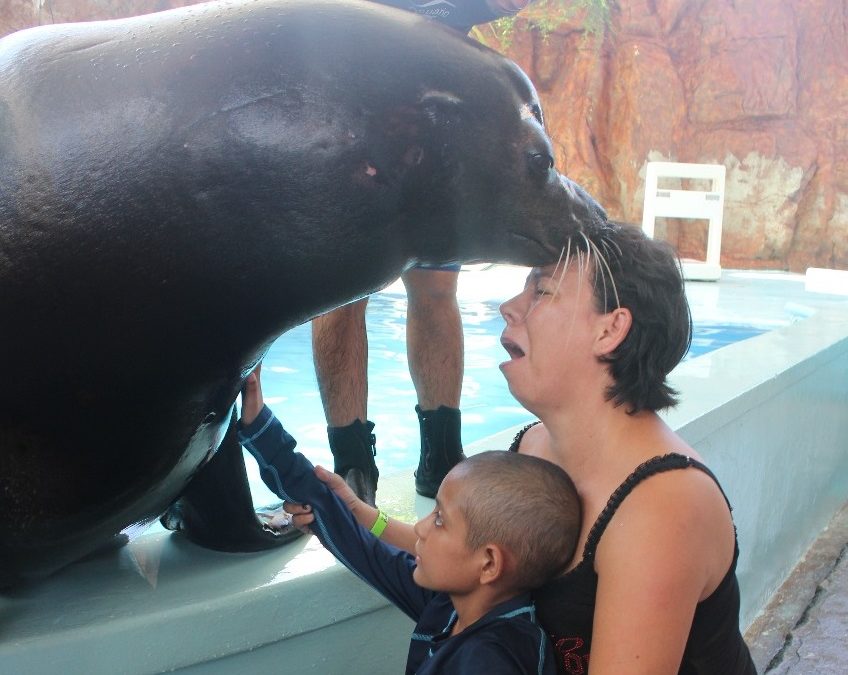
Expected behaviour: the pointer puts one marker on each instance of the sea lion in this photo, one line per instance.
(178, 189)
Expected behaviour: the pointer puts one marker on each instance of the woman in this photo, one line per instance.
(652, 588)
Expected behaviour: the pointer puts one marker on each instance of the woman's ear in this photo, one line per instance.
(615, 326)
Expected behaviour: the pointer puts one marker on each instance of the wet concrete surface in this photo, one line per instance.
(819, 643)
(804, 629)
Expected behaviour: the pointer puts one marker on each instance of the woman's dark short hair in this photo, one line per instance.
(644, 276)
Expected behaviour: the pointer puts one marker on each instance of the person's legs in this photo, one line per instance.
(435, 352)
(340, 352)
(434, 341)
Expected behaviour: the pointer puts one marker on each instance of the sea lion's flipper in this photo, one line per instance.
(216, 510)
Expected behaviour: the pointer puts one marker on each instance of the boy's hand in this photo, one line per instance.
(251, 397)
(343, 491)
(302, 515)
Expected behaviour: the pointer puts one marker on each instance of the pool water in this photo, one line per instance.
(708, 336)
(291, 389)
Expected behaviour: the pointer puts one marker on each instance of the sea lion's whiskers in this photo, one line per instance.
(613, 242)
(564, 268)
(583, 262)
(598, 270)
(581, 270)
(606, 267)
(559, 260)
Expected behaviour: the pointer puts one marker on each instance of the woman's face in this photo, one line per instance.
(551, 334)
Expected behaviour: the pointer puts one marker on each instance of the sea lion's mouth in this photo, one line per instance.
(540, 253)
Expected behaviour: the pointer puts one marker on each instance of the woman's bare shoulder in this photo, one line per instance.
(534, 440)
(687, 495)
(673, 516)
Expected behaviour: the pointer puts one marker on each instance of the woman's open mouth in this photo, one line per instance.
(514, 351)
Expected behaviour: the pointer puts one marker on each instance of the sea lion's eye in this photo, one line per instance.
(541, 162)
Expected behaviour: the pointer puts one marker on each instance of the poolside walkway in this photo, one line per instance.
(804, 630)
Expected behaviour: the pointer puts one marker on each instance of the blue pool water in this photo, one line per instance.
(707, 337)
(487, 406)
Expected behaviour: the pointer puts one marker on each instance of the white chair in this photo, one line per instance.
(699, 204)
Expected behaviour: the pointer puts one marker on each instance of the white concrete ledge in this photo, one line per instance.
(820, 280)
(162, 604)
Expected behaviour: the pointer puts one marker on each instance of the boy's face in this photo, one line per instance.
(444, 562)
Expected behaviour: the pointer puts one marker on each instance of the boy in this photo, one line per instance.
(503, 525)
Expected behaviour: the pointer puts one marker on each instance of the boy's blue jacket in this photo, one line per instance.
(507, 640)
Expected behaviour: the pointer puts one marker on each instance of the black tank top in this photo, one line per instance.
(566, 606)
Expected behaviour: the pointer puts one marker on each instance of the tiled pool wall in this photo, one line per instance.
(770, 416)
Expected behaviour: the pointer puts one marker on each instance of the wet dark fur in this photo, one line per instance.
(177, 190)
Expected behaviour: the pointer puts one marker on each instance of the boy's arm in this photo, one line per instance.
(397, 533)
(292, 477)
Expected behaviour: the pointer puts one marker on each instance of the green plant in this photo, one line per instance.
(545, 16)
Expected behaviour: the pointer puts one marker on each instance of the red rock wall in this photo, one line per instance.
(760, 86)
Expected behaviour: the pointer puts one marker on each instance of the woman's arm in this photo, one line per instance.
(668, 547)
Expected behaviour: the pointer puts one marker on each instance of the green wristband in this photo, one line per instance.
(379, 525)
